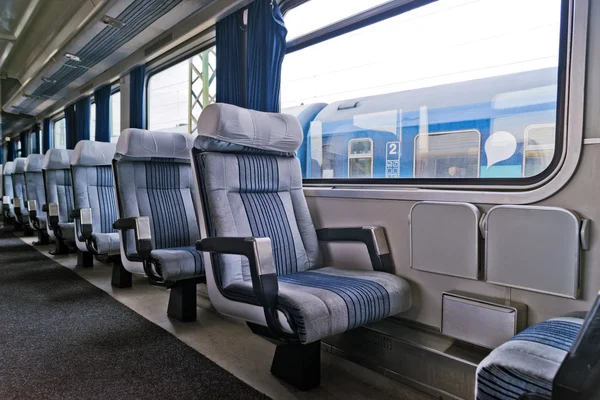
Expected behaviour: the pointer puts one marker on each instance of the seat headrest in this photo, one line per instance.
(9, 167)
(231, 129)
(143, 145)
(88, 153)
(57, 159)
(19, 167)
(34, 162)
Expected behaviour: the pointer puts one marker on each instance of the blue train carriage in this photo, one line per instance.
(502, 126)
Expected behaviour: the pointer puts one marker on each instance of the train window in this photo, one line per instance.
(93, 121)
(177, 94)
(360, 158)
(447, 154)
(59, 134)
(452, 89)
(115, 118)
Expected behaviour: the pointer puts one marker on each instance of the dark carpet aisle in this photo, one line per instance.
(63, 338)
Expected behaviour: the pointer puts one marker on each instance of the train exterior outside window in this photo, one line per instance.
(480, 103)
(178, 94)
(59, 133)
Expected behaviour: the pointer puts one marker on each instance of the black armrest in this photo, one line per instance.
(141, 229)
(32, 208)
(259, 253)
(578, 377)
(84, 216)
(45, 208)
(17, 206)
(372, 236)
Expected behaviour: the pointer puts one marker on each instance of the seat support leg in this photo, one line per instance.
(299, 365)
(60, 248)
(85, 259)
(27, 231)
(121, 278)
(183, 301)
(43, 238)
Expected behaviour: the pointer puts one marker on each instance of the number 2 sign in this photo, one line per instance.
(392, 160)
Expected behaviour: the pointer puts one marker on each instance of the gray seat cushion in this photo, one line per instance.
(106, 243)
(66, 231)
(528, 362)
(328, 301)
(178, 263)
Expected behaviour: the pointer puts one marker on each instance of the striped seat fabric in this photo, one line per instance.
(154, 179)
(251, 185)
(93, 188)
(34, 182)
(528, 362)
(57, 179)
(19, 186)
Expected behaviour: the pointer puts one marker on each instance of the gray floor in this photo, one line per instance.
(231, 345)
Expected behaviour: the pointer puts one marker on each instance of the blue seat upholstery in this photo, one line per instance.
(93, 188)
(528, 362)
(20, 190)
(57, 181)
(153, 178)
(250, 184)
(34, 182)
(8, 188)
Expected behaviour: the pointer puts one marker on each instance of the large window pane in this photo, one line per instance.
(453, 89)
(59, 133)
(177, 95)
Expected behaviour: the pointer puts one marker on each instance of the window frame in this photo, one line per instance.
(166, 63)
(114, 88)
(397, 7)
(53, 122)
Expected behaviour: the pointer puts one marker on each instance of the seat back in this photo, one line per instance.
(34, 182)
(93, 187)
(57, 181)
(153, 178)
(7, 184)
(19, 183)
(250, 182)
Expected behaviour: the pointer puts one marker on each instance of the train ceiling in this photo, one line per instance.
(96, 35)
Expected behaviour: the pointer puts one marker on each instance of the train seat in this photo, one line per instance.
(529, 362)
(8, 191)
(20, 190)
(36, 196)
(94, 203)
(158, 225)
(59, 198)
(266, 266)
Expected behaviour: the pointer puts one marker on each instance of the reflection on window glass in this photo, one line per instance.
(178, 94)
(360, 158)
(457, 100)
(59, 134)
(115, 117)
(93, 121)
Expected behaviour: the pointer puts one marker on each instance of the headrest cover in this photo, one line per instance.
(143, 145)
(9, 167)
(222, 125)
(34, 162)
(19, 165)
(57, 159)
(93, 154)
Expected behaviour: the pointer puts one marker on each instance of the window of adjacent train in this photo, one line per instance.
(178, 94)
(452, 89)
(59, 133)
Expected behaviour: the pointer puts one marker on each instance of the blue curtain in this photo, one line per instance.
(70, 126)
(137, 103)
(12, 149)
(82, 120)
(46, 139)
(266, 49)
(36, 145)
(102, 100)
(230, 66)
(23, 138)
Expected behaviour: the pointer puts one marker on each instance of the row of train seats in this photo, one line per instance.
(227, 208)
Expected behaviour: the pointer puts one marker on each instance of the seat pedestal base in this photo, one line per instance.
(27, 231)
(121, 278)
(299, 365)
(60, 248)
(183, 301)
(85, 259)
(43, 238)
